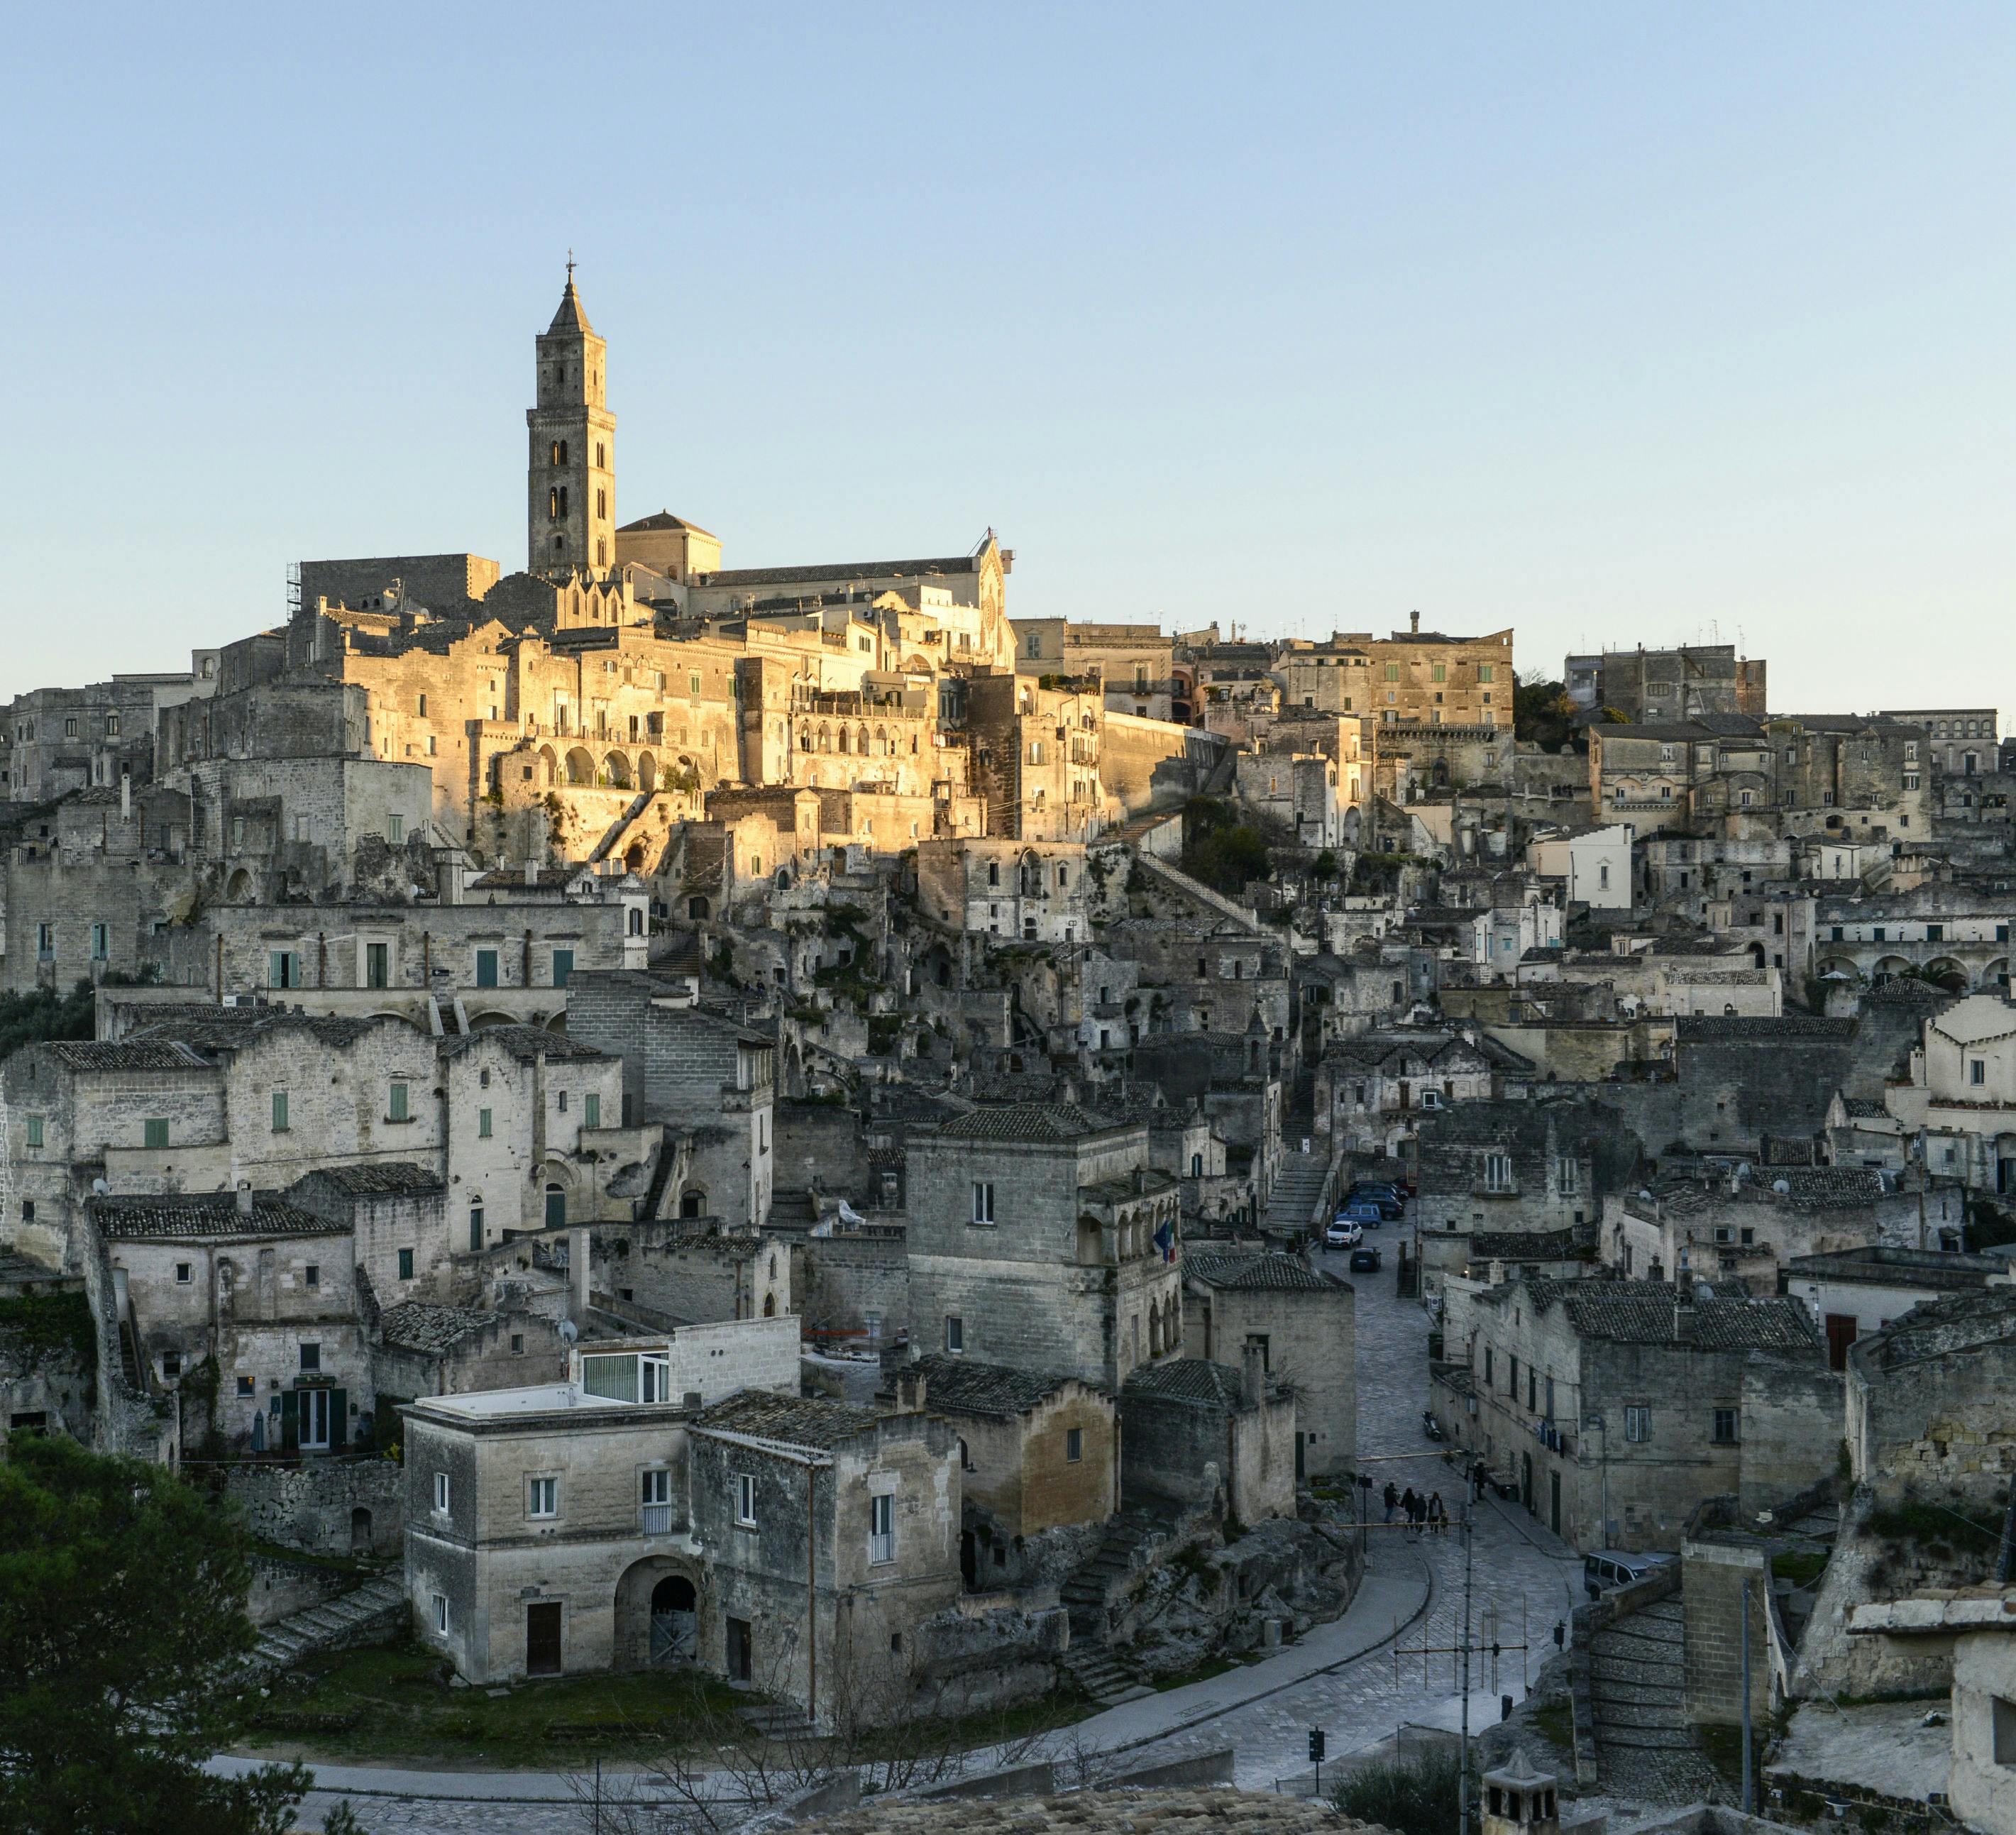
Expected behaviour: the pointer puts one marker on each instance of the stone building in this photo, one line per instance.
(1616, 1407)
(1369, 1089)
(1509, 1166)
(1303, 1319)
(1199, 1433)
(1680, 684)
(1855, 1294)
(1022, 891)
(1041, 1464)
(1040, 1238)
(1960, 1097)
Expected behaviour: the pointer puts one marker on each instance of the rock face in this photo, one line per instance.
(1100, 1812)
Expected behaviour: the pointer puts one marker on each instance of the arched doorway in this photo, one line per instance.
(360, 1531)
(556, 1205)
(693, 1202)
(674, 1621)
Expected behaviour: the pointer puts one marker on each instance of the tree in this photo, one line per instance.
(1221, 850)
(1543, 714)
(122, 1624)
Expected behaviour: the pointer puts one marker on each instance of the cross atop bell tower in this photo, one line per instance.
(570, 475)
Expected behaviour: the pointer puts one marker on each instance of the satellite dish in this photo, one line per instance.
(1703, 1290)
(100, 1189)
(1782, 1186)
(568, 1331)
(1742, 1171)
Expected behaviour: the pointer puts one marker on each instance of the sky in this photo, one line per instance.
(1614, 324)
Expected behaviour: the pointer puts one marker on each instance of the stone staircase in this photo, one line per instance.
(1085, 1594)
(371, 1611)
(1296, 1190)
(1092, 1667)
(1638, 1691)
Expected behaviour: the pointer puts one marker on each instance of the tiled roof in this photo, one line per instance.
(1642, 1312)
(961, 563)
(1253, 1273)
(1117, 1811)
(1029, 1121)
(1542, 1245)
(200, 1214)
(1937, 1328)
(391, 1178)
(663, 519)
(127, 1055)
(413, 1325)
(791, 1419)
(525, 1043)
(962, 1386)
(1858, 1108)
(1759, 1028)
(1195, 1380)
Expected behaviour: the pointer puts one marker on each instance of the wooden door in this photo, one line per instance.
(738, 1650)
(1841, 1333)
(542, 1639)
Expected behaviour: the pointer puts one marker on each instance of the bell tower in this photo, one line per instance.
(570, 475)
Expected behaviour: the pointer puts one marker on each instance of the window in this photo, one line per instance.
(563, 966)
(441, 1494)
(279, 1111)
(154, 1132)
(101, 942)
(246, 1386)
(1074, 1444)
(1977, 1071)
(311, 1274)
(395, 830)
(185, 1273)
(377, 965)
(745, 1499)
(1571, 1176)
(560, 1101)
(983, 1201)
(542, 1497)
(311, 1359)
(475, 1224)
(1487, 1366)
(591, 1110)
(1725, 1427)
(283, 969)
(483, 1123)
(486, 968)
(45, 940)
(395, 1104)
(882, 1528)
(34, 1131)
(1498, 1172)
(955, 1333)
(440, 1614)
(405, 1265)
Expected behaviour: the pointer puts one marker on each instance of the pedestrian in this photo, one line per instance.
(1437, 1514)
(1392, 1500)
(1477, 1482)
(1411, 1504)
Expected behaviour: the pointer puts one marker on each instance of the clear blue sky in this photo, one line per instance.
(1613, 323)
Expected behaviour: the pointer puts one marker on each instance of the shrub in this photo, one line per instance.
(1418, 1798)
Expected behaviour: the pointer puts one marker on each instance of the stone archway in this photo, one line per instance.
(580, 766)
(616, 771)
(647, 771)
(658, 1613)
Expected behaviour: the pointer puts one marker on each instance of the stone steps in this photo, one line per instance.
(1096, 1673)
(334, 1621)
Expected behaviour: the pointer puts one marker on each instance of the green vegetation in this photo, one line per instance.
(54, 1322)
(122, 1591)
(393, 1701)
(1542, 714)
(1419, 1798)
(1941, 1532)
(1200, 1672)
(883, 1030)
(1556, 1723)
(28, 1019)
(1220, 850)
(1802, 1568)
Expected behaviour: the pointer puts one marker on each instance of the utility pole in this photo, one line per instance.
(1462, 1763)
(1749, 1791)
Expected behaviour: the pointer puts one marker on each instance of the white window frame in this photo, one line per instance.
(882, 1528)
(955, 1332)
(441, 1615)
(441, 1494)
(983, 1201)
(542, 1497)
(745, 1500)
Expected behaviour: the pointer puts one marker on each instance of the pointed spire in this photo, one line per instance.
(570, 318)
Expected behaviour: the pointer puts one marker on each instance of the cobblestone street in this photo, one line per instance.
(1524, 1583)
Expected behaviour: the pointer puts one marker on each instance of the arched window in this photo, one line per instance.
(693, 1202)
(475, 1224)
(769, 1305)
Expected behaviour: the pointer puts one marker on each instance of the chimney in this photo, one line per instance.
(244, 1196)
(1414, 622)
(1683, 1309)
(910, 1391)
(125, 795)
(531, 871)
(1252, 1373)
(579, 1255)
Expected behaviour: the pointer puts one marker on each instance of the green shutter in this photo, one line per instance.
(590, 1111)
(290, 1421)
(339, 1419)
(563, 966)
(398, 1105)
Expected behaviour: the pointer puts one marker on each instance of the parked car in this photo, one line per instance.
(1364, 1261)
(1611, 1567)
(1343, 1233)
(1368, 1215)
(1390, 1210)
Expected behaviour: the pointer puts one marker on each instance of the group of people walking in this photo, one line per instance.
(1423, 1513)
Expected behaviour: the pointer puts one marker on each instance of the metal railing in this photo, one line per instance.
(657, 1518)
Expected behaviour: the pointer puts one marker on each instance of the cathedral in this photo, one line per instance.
(625, 697)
